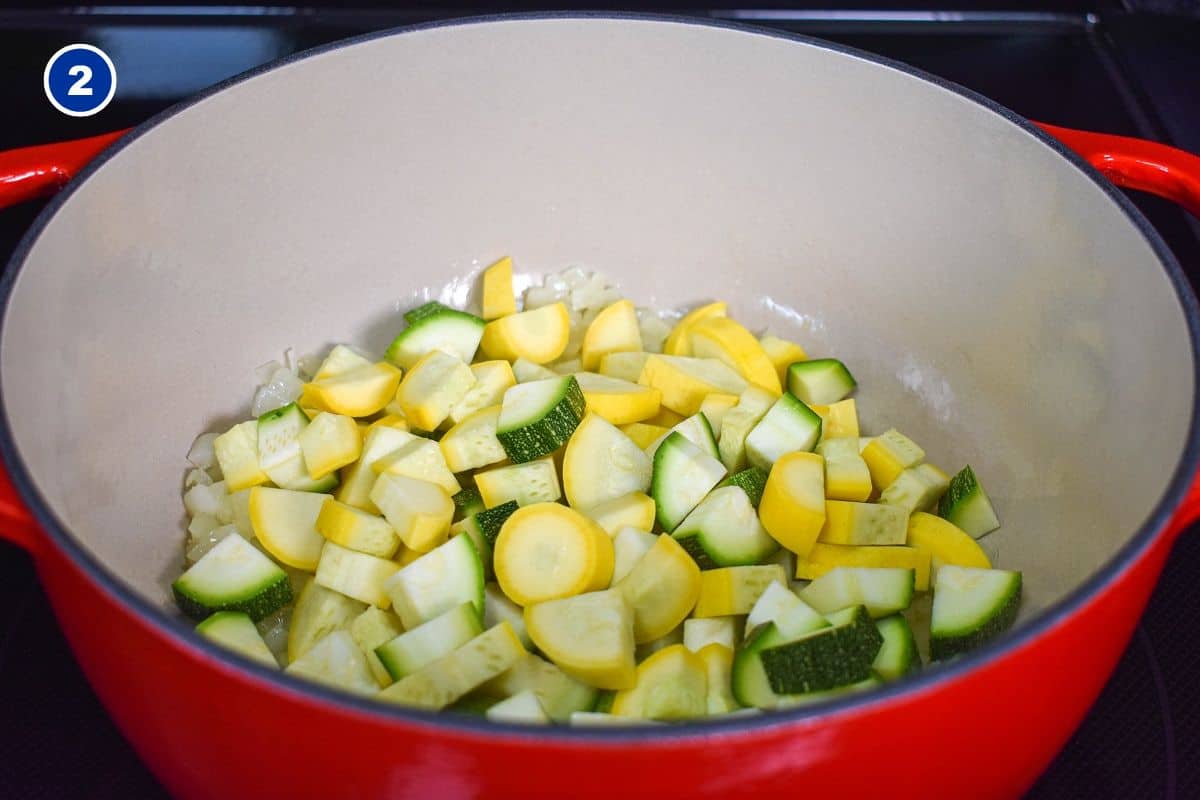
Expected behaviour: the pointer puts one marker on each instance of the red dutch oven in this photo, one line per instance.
(999, 299)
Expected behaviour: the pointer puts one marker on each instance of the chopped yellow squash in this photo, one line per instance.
(538, 336)
(614, 330)
(678, 342)
(498, 297)
(329, 442)
(731, 343)
(358, 392)
(825, 557)
(792, 508)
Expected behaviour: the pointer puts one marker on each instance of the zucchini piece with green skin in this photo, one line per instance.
(442, 682)
(683, 475)
(476, 704)
(429, 641)
(749, 678)
(539, 417)
(279, 453)
(235, 631)
(967, 505)
(558, 693)
(450, 574)
(839, 655)
(753, 404)
(898, 656)
(467, 502)
(789, 426)
(883, 590)
(698, 430)
(971, 606)
(483, 527)
(233, 576)
(820, 381)
(723, 531)
(434, 326)
(751, 480)
(794, 700)
(791, 615)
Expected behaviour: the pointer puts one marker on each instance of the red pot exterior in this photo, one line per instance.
(207, 729)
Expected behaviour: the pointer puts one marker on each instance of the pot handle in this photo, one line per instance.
(17, 525)
(39, 171)
(1137, 164)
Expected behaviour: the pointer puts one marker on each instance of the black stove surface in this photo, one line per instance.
(1071, 64)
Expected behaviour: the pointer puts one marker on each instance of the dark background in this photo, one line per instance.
(1129, 68)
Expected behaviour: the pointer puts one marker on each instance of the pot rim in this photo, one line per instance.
(469, 726)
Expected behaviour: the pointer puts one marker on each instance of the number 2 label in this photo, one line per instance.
(80, 87)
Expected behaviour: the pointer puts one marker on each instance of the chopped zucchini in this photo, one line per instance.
(825, 659)
(697, 430)
(917, 488)
(370, 629)
(971, 607)
(434, 326)
(624, 366)
(683, 475)
(498, 608)
(235, 631)
(466, 503)
(437, 582)
(789, 426)
(538, 418)
(441, 682)
(715, 407)
(790, 615)
(966, 505)
(410, 651)
(751, 480)
(724, 531)
(821, 380)
(739, 421)
(883, 590)
(527, 371)
(898, 656)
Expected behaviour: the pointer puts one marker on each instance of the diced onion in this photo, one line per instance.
(201, 453)
(196, 477)
(281, 387)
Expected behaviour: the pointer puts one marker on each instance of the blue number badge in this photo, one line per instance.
(80, 80)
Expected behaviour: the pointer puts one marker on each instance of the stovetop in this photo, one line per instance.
(1075, 64)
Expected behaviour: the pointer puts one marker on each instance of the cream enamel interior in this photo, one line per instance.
(993, 302)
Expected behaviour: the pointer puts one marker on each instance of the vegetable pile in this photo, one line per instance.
(578, 513)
